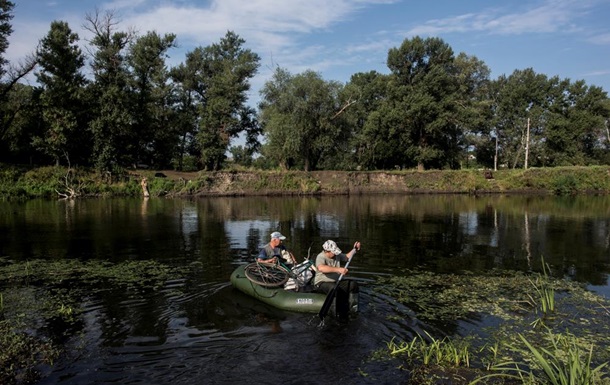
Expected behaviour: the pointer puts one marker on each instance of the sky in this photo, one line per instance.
(338, 38)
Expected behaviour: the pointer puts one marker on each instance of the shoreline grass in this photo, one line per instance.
(57, 182)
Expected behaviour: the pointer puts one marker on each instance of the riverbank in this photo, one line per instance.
(53, 182)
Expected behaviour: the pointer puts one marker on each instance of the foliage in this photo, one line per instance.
(565, 351)
(299, 115)
(545, 293)
(429, 350)
(21, 355)
(154, 133)
(423, 104)
(17, 119)
(111, 124)
(222, 77)
(62, 103)
(48, 181)
(434, 109)
(562, 363)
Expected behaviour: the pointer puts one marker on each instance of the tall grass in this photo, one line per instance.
(563, 363)
(545, 293)
(430, 350)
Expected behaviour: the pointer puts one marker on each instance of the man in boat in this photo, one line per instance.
(328, 265)
(275, 251)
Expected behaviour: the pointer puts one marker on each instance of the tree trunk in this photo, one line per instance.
(144, 184)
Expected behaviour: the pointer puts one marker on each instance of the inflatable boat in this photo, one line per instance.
(304, 300)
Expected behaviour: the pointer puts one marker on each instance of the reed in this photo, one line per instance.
(563, 362)
(545, 294)
(430, 350)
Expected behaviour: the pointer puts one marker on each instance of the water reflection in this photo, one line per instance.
(197, 329)
(440, 232)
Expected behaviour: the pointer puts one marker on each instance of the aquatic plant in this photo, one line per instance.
(39, 293)
(444, 352)
(561, 363)
(545, 294)
(21, 355)
(506, 298)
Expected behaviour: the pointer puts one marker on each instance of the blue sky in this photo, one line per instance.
(337, 38)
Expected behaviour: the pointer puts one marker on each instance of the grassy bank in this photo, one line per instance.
(60, 182)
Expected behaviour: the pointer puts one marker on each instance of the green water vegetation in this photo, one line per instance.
(39, 293)
(69, 183)
(546, 330)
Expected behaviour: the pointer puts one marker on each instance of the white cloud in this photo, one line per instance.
(601, 39)
(550, 16)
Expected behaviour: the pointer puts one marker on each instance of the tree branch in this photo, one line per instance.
(342, 110)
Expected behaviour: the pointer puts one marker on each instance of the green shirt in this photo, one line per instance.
(321, 259)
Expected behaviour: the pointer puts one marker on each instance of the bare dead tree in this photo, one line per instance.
(72, 187)
(103, 25)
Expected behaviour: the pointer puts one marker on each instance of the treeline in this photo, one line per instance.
(433, 110)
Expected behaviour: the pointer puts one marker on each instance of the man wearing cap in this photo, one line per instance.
(273, 251)
(328, 265)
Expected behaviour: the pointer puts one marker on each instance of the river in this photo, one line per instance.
(196, 329)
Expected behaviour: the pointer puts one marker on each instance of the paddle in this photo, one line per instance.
(331, 295)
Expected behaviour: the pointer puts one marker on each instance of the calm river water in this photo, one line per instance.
(197, 329)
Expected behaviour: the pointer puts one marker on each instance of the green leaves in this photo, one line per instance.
(299, 114)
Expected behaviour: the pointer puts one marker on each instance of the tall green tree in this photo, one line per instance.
(224, 82)
(298, 115)
(575, 128)
(474, 112)
(114, 139)
(423, 101)
(15, 99)
(6, 29)
(517, 98)
(363, 97)
(188, 94)
(153, 125)
(62, 82)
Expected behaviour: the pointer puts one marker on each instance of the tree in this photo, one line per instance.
(252, 130)
(518, 97)
(575, 128)
(423, 101)
(6, 29)
(223, 82)
(154, 119)
(188, 94)
(368, 91)
(15, 99)
(62, 84)
(298, 115)
(474, 113)
(112, 126)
